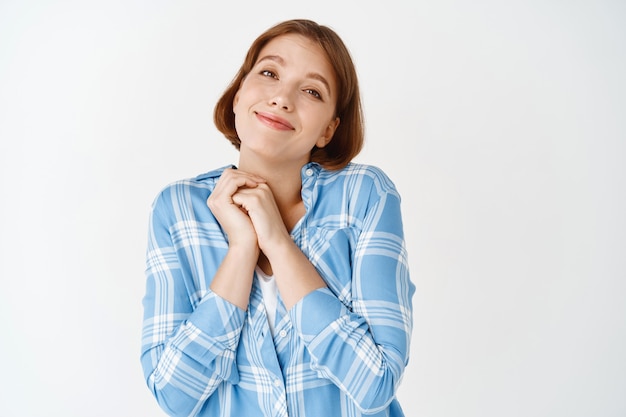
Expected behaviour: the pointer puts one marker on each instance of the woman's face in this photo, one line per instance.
(286, 104)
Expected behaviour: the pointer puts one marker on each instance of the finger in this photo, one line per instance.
(230, 182)
(231, 173)
(257, 200)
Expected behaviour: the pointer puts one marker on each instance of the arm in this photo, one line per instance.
(233, 280)
(188, 348)
(295, 275)
(364, 351)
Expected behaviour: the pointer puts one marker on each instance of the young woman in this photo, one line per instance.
(280, 287)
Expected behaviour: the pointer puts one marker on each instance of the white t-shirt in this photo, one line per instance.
(270, 295)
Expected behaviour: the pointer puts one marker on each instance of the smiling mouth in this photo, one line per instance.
(274, 121)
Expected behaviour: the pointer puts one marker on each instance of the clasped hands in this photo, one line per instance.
(244, 205)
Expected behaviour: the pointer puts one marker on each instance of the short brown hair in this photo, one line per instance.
(348, 138)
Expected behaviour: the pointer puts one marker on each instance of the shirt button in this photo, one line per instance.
(283, 333)
(308, 172)
(277, 382)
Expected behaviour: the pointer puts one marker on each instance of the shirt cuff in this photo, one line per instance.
(316, 312)
(213, 327)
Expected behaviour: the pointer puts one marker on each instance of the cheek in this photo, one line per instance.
(235, 102)
(241, 96)
(239, 127)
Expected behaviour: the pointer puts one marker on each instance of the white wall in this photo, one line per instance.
(502, 124)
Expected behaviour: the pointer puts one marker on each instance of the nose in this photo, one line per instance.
(282, 98)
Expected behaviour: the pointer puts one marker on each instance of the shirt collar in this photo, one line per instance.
(216, 173)
(309, 170)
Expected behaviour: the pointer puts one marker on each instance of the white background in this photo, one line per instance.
(501, 122)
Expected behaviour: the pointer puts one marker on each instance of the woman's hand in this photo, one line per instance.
(233, 219)
(259, 204)
(233, 279)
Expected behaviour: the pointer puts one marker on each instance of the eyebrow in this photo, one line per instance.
(313, 75)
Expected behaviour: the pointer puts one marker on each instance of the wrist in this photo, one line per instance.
(244, 252)
(281, 249)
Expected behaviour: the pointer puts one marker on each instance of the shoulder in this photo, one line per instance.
(360, 177)
(187, 190)
(213, 175)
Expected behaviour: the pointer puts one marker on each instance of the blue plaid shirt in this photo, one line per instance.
(340, 351)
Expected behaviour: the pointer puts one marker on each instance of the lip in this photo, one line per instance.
(273, 121)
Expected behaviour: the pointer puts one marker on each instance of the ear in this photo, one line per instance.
(328, 133)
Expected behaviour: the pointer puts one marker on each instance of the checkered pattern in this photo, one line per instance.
(341, 351)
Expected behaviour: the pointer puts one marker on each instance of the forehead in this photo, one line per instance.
(293, 42)
(297, 50)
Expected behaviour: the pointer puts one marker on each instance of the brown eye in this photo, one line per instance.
(268, 73)
(314, 93)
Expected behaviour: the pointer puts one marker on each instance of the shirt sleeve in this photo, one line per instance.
(364, 350)
(188, 348)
